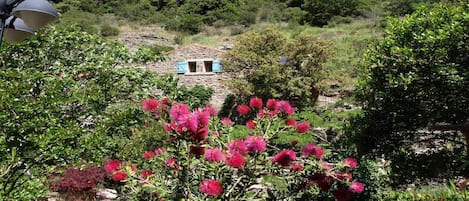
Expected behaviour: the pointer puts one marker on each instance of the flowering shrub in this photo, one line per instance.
(203, 161)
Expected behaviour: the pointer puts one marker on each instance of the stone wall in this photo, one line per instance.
(198, 54)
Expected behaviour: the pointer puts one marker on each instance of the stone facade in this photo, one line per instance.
(196, 65)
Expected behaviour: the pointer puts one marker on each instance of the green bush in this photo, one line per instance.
(108, 30)
(55, 92)
(416, 77)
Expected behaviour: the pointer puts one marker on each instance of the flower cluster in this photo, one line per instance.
(202, 151)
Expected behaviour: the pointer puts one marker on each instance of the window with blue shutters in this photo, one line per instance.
(182, 67)
(216, 66)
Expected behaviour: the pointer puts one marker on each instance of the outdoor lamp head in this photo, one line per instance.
(16, 30)
(35, 13)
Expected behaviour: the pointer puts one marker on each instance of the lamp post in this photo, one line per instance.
(19, 18)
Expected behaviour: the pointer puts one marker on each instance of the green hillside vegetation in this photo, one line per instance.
(71, 97)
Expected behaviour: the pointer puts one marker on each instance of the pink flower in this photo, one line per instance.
(238, 146)
(256, 102)
(148, 154)
(255, 144)
(243, 109)
(251, 124)
(172, 163)
(285, 107)
(356, 187)
(285, 157)
(303, 127)
(150, 105)
(112, 166)
(211, 110)
(297, 167)
(291, 122)
(350, 162)
(213, 155)
(119, 176)
(271, 104)
(167, 127)
(146, 173)
(188, 122)
(342, 194)
(226, 121)
(201, 134)
(160, 151)
(203, 117)
(235, 160)
(312, 149)
(179, 109)
(211, 187)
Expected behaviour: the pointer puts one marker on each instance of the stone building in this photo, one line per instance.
(196, 64)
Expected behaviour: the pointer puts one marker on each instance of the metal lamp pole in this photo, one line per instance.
(23, 16)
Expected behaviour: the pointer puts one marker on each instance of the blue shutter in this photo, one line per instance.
(182, 67)
(216, 66)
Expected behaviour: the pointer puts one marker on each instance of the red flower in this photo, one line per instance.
(243, 109)
(350, 162)
(197, 150)
(160, 151)
(238, 146)
(294, 142)
(188, 122)
(213, 155)
(256, 102)
(291, 122)
(146, 173)
(285, 157)
(271, 104)
(251, 124)
(356, 187)
(112, 166)
(342, 194)
(201, 134)
(312, 149)
(203, 117)
(303, 127)
(235, 160)
(172, 163)
(211, 187)
(297, 167)
(322, 181)
(255, 144)
(167, 127)
(179, 109)
(211, 110)
(226, 121)
(150, 105)
(148, 154)
(119, 176)
(285, 107)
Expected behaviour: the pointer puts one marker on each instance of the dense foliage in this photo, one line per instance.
(206, 158)
(270, 65)
(66, 99)
(417, 76)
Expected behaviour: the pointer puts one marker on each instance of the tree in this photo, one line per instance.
(321, 11)
(269, 65)
(416, 76)
(55, 90)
